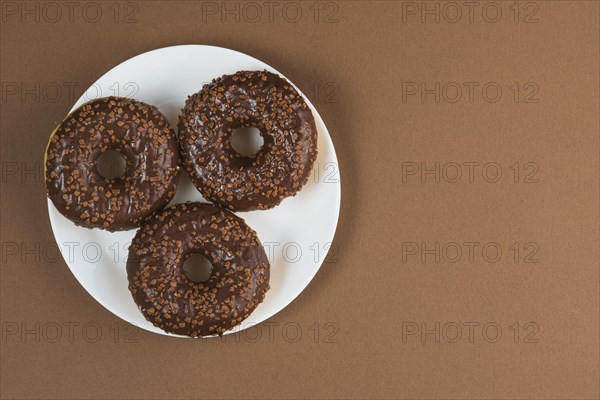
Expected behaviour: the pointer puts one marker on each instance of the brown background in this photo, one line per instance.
(353, 60)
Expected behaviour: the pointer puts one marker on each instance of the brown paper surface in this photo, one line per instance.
(467, 250)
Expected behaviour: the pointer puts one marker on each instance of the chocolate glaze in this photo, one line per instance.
(168, 298)
(246, 99)
(147, 142)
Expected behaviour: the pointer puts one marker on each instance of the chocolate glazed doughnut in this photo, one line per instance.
(168, 298)
(248, 99)
(143, 137)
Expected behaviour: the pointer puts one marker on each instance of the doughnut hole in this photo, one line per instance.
(247, 141)
(111, 164)
(197, 268)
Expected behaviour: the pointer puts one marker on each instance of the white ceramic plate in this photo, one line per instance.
(297, 234)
